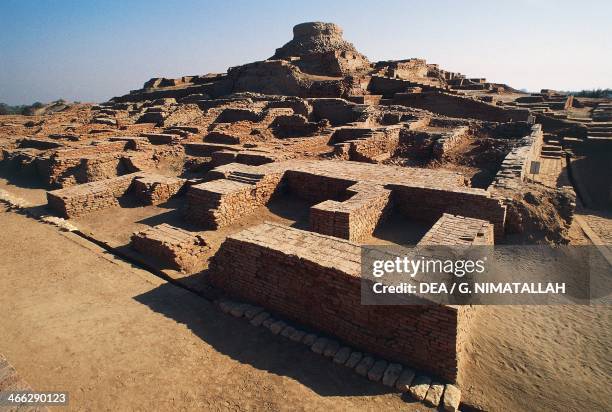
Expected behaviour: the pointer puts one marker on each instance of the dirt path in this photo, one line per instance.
(117, 338)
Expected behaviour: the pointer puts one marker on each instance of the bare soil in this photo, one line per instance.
(117, 338)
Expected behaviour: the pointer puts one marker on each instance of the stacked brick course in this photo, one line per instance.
(73, 166)
(433, 203)
(286, 270)
(421, 194)
(175, 247)
(154, 189)
(221, 202)
(458, 230)
(515, 166)
(449, 140)
(354, 218)
(82, 199)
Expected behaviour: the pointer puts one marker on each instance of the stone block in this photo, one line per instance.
(377, 371)
(420, 386)
(260, 318)
(342, 355)
(405, 380)
(451, 398)
(391, 375)
(331, 348)
(319, 345)
(434, 394)
(364, 366)
(353, 360)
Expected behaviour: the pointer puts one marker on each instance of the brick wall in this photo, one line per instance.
(458, 106)
(429, 204)
(356, 217)
(86, 198)
(458, 230)
(315, 280)
(81, 199)
(421, 194)
(221, 202)
(371, 147)
(173, 246)
(155, 189)
(316, 188)
(516, 164)
(449, 140)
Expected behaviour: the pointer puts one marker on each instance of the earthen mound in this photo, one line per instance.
(537, 214)
(314, 38)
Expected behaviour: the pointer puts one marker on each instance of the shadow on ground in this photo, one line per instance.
(256, 346)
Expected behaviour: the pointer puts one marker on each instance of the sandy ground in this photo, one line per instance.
(116, 338)
(545, 358)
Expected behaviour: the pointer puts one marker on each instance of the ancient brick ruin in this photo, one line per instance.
(253, 265)
(338, 152)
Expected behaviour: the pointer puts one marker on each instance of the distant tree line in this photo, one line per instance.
(26, 109)
(593, 93)
(21, 109)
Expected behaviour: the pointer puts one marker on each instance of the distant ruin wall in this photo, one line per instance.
(516, 164)
(427, 204)
(337, 111)
(457, 106)
(284, 270)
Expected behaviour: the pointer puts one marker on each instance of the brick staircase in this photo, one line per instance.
(405, 85)
(243, 177)
(551, 148)
(599, 129)
(602, 112)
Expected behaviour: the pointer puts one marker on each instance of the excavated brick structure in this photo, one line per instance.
(175, 247)
(420, 194)
(221, 202)
(458, 230)
(156, 189)
(316, 280)
(82, 199)
(79, 200)
(354, 218)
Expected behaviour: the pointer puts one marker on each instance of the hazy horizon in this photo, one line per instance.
(99, 49)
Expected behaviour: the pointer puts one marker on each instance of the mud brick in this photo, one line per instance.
(173, 246)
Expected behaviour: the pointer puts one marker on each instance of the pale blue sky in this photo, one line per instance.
(93, 50)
